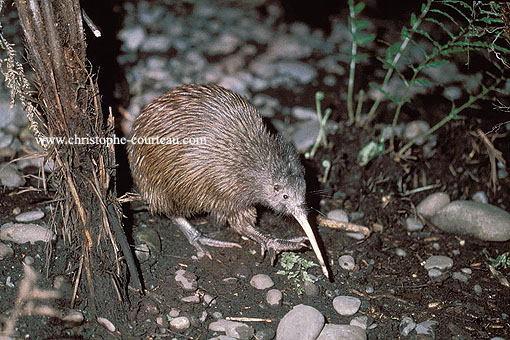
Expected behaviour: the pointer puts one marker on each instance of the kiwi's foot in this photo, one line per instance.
(273, 246)
(196, 239)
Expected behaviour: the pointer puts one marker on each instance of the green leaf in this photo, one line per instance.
(440, 24)
(363, 39)
(413, 19)
(362, 24)
(424, 82)
(359, 7)
(436, 63)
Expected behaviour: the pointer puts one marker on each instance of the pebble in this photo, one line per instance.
(180, 323)
(302, 322)
(438, 262)
(400, 252)
(346, 305)
(191, 299)
(360, 321)
(406, 326)
(432, 203)
(237, 330)
(222, 337)
(132, 38)
(5, 139)
(266, 105)
(225, 44)
(30, 216)
(435, 273)
(305, 134)
(304, 113)
(426, 327)
(23, 233)
(10, 177)
(480, 197)
(274, 297)
(5, 251)
(346, 262)
(413, 224)
(106, 324)
(74, 317)
(156, 43)
(261, 281)
(356, 236)
(265, 334)
(478, 289)
(342, 332)
(467, 271)
(338, 215)
(297, 70)
(311, 288)
(414, 129)
(484, 221)
(209, 300)
(285, 46)
(369, 290)
(460, 277)
(186, 280)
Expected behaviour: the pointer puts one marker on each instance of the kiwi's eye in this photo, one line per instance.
(285, 196)
(276, 187)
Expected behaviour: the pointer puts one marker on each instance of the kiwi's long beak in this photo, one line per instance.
(303, 221)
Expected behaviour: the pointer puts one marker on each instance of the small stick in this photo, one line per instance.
(329, 223)
(246, 319)
(91, 25)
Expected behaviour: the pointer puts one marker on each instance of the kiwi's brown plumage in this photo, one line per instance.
(223, 176)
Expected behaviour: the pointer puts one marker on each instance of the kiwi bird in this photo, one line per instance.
(204, 149)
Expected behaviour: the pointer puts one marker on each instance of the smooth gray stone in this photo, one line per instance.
(432, 203)
(302, 322)
(484, 221)
(342, 332)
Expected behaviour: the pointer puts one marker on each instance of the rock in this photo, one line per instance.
(338, 215)
(346, 262)
(132, 38)
(407, 325)
(342, 332)
(180, 323)
(302, 322)
(195, 299)
(435, 273)
(225, 44)
(186, 280)
(23, 233)
(426, 327)
(5, 139)
(432, 203)
(480, 197)
(413, 224)
(237, 330)
(209, 300)
(414, 129)
(311, 288)
(460, 277)
(305, 135)
(304, 113)
(360, 321)
(484, 221)
(30, 216)
(156, 43)
(439, 262)
(301, 72)
(10, 177)
(400, 252)
(5, 251)
(261, 281)
(106, 324)
(274, 297)
(286, 46)
(346, 305)
(265, 334)
(74, 317)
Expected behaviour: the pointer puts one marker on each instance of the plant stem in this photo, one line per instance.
(352, 65)
(396, 59)
(454, 114)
